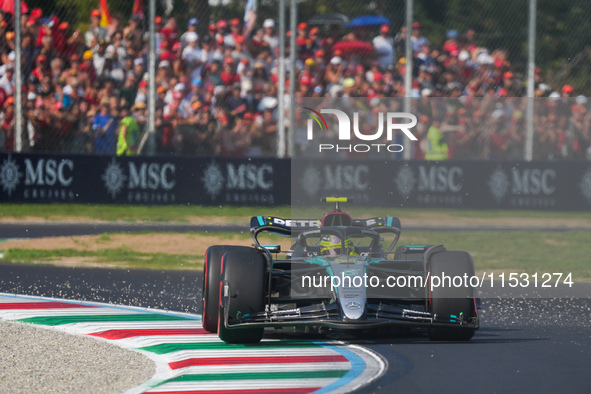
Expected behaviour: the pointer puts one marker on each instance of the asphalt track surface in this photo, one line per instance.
(524, 345)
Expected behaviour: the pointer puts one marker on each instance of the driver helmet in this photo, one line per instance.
(331, 245)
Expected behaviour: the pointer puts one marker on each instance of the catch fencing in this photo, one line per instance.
(71, 68)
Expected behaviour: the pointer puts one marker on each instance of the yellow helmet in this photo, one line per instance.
(331, 245)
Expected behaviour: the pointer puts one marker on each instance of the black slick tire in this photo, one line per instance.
(451, 300)
(210, 300)
(244, 273)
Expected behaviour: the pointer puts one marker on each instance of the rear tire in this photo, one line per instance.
(244, 271)
(210, 300)
(452, 300)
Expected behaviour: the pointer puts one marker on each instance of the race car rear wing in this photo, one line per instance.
(295, 226)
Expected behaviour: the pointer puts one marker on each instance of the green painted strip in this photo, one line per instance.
(175, 347)
(259, 375)
(58, 320)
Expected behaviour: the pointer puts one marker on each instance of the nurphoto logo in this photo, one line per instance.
(345, 135)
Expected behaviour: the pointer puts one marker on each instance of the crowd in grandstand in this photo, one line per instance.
(87, 91)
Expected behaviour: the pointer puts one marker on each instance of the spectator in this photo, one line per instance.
(104, 129)
(384, 47)
(417, 40)
(269, 35)
(129, 131)
(96, 33)
(7, 126)
(7, 80)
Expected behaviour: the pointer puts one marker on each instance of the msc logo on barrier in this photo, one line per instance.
(145, 182)
(246, 183)
(585, 185)
(9, 175)
(526, 187)
(45, 179)
(433, 184)
(344, 131)
(352, 179)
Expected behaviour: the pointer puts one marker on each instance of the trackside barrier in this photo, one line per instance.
(214, 181)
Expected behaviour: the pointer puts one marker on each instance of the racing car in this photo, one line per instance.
(340, 273)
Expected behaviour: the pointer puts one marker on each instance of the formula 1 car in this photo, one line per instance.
(339, 273)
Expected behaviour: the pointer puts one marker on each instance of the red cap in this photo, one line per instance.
(302, 26)
(36, 13)
(338, 52)
(63, 26)
(385, 28)
(305, 80)
(222, 24)
(499, 63)
(508, 75)
(176, 46)
(567, 89)
(314, 30)
(158, 20)
(95, 14)
(143, 84)
(220, 40)
(319, 53)
(211, 27)
(235, 22)
(239, 40)
(247, 116)
(417, 25)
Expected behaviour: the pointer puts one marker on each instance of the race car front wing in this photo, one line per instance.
(329, 315)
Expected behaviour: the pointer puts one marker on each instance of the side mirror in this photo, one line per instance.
(272, 248)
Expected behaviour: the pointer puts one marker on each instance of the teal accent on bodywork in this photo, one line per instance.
(318, 261)
(389, 221)
(261, 220)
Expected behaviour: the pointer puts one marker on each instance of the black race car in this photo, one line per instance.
(339, 273)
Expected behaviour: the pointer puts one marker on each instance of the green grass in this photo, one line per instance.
(117, 257)
(515, 251)
(172, 213)
(183, 213)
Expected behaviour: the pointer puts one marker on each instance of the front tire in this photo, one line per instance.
(244, 273)
(210, 300)
(452, 300)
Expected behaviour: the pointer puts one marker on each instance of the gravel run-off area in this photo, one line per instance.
(38, 360)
